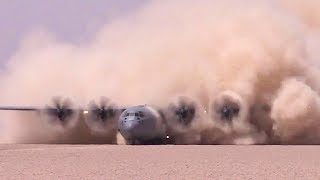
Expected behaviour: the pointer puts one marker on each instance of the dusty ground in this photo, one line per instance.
(158, 162)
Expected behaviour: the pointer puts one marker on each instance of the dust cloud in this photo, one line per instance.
(259, 56)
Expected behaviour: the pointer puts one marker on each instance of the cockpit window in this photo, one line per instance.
(138, 114)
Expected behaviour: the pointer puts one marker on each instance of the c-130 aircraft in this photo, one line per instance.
(139, 125)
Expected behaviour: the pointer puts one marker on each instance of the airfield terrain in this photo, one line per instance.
(158, 162)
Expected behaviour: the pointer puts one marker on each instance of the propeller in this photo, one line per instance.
(101, 115)
(228, 112)
(102, 111)
(227, 106)
(61, 111)
(183, 110)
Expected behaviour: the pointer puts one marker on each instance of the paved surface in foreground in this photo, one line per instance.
(158, 162)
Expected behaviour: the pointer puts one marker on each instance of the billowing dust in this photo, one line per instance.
(262, 55)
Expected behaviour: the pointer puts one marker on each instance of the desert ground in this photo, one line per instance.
(18, 161)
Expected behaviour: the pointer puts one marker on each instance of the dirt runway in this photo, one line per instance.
(158, 162)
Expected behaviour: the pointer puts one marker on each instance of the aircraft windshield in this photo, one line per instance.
(138, 114)
(131, 114)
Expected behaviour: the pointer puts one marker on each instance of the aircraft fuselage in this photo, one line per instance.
(142, 125)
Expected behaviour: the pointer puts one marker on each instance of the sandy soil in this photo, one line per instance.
(158, 162)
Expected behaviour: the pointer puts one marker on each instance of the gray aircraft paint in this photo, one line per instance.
(142, 123)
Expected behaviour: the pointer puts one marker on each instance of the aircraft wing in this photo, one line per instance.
(63, 113)
(65, 104)
(18, 108)
(30, 108)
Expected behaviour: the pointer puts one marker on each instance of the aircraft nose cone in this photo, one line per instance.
(130, 126)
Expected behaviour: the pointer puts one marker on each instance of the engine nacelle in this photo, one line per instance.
(182, 116)
(227, 107)
(181, 111)
(102, 117)
(61, 113)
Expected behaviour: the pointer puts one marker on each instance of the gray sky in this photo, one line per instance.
(72, 20)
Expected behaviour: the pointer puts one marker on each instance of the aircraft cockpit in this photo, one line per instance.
(134, 114)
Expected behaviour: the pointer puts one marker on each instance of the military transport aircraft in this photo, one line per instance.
(140, 124)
